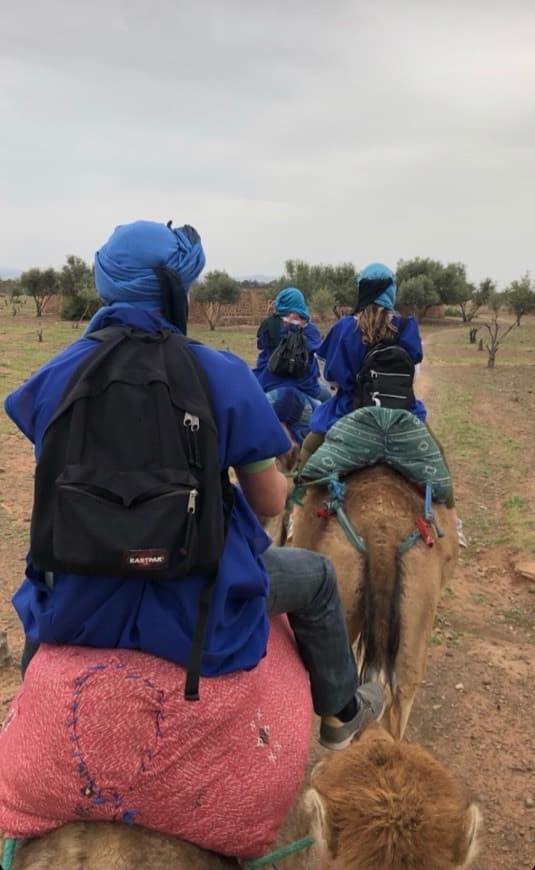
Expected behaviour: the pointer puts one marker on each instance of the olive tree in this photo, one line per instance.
(41, 285)
(217, 289)
(520, 297)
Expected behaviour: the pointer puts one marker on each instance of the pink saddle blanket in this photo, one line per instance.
(107, 735)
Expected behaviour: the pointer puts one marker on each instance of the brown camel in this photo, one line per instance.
(378, 804)
(389, 601)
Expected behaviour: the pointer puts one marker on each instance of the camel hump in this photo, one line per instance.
(106, 735)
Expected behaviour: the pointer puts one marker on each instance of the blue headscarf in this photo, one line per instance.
(128, 267)
(291, 300)
(124, 266)
(377, 285)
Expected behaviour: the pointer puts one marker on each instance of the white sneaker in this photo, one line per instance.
(461, 537)
(290, 526)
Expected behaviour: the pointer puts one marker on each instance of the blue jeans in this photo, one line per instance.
(302, 584)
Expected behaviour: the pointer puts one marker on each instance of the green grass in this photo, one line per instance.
(485, 419)
(477, 598)
(517, 617)
(21, 352)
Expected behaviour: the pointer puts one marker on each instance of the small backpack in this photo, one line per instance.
(290, 357)
(128, 482)
(386, 377)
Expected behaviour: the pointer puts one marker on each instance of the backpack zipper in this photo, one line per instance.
(192, 498)
(376, 397)
(375, 374)
(192, 426)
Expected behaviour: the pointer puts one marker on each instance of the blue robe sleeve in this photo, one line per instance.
(410, 339)
(312, 337)
(248, 428)
(343, 351)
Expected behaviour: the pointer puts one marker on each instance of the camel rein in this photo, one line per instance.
(278, 854)
(11, 844)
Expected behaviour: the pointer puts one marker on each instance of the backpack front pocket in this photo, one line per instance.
(125, 524)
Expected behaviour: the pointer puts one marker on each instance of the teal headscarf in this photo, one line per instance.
(291, 300)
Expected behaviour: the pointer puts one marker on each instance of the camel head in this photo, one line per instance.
(382, 803)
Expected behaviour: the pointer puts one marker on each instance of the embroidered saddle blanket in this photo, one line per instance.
(107, 735)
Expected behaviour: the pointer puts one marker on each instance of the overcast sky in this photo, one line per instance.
(327, 130)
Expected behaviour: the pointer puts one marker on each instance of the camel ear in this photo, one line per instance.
(319, 826)
(474, 819)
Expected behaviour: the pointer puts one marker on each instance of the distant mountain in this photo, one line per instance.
(262, 279)
(9, 272)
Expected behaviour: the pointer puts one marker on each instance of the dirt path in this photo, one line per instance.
(476, 708)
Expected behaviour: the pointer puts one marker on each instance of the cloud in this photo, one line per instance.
(330, 131)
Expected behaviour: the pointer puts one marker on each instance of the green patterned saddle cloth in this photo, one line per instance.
(373, 436)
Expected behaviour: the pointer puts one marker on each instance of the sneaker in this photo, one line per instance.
(461, 537)
(290, 526)
(335, 734)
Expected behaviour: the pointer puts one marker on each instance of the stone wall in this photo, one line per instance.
(251, 308)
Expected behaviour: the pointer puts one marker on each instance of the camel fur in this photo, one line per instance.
(389, 601)
(378, 804)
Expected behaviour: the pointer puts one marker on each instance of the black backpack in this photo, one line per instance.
(128, 482)
(386, 376)
(290, 357)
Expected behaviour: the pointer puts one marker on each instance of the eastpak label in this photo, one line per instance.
(144, 560)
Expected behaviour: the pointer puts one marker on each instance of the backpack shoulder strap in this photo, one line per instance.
(270, 329)
(109, 332)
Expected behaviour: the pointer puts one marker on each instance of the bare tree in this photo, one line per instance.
(497, 333)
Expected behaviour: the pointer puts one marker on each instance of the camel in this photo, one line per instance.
(377, 804)
(380, 802)
(389, 602)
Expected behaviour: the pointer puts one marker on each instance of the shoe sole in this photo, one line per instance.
(343, 744)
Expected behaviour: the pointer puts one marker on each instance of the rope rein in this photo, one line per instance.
(278, 854)
(334, 506)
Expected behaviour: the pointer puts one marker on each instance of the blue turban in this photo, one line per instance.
(291, 300)
(377, 285)
(124, 266)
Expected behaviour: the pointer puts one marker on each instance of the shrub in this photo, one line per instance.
(79, 307)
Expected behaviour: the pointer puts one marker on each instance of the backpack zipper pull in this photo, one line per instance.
(191, 500)
(191, 425)
(191, 422)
